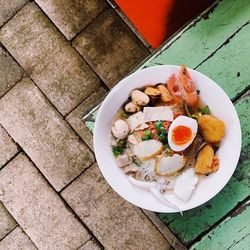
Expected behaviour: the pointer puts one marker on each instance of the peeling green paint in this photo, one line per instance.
(229, 66)
(233, 233)
(90, 125)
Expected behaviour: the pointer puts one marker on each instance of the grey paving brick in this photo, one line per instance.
(7, 223)
(10, 72)
(58, 70)
(116, 223)
(90, 245)
(75, 117)
(43, 134)
(17, 240)
(8, 148)
(9, 8)
(72, 16)
(37, 208)
(110, 48)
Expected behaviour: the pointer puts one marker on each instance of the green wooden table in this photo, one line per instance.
(217, 44)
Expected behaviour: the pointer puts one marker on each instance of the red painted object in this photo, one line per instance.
(156, 20)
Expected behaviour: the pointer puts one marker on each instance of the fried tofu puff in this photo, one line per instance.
(206, 162)
(212, 129)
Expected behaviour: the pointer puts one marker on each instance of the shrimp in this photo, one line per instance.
(174, 89)
(182, 88)
(187, 87)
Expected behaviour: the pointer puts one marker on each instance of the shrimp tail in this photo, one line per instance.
(187, 87)
(174, 90)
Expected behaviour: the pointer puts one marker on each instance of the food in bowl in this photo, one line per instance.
(167, 135)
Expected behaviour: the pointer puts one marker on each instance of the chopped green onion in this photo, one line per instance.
(159, 125)
(163, 136)
(196, 115)
(169, 152)
(205, 110)
(189, 110)
(162, 133)
(117, 150)
(147, 135)
(122, 143)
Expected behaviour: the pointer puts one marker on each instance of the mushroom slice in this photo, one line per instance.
(158, 114)
(139, 98)
(146, 150)
(132, 108)
(185, 184)
(169, 165)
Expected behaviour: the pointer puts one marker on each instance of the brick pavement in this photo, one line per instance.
(7, 222)
(110, 48)
(17, 239)
(57, 59)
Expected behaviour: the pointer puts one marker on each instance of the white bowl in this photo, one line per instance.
(228, 153)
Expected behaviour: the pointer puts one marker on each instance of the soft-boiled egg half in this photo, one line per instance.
(181, 133)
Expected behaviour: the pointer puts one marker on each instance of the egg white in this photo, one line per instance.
(182, 121)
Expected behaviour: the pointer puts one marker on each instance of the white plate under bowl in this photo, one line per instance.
(228, 153)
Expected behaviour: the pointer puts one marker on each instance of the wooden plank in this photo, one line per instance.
(232, 233)
(229, 66)
(198, 220)
(205, 36)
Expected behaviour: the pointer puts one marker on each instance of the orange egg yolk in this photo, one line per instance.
(181, 135)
